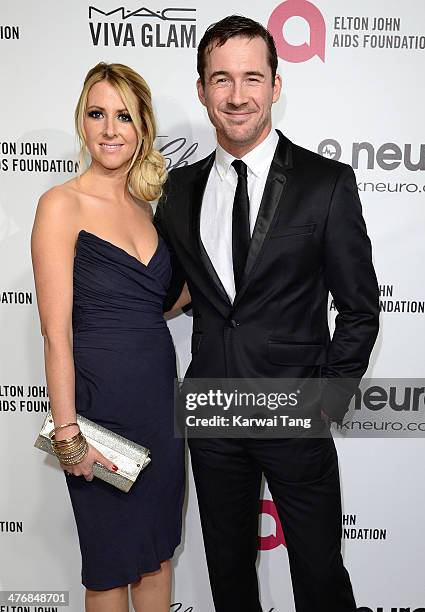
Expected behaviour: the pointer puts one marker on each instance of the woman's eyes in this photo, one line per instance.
(124, 117)
(94, 114)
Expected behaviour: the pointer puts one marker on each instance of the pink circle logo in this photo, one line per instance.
(267, 506)
(308, 11)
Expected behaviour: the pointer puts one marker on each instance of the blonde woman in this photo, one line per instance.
(101, 273)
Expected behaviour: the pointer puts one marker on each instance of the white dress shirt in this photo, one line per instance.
(217, 204)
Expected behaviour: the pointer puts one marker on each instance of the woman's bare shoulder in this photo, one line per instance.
(59, 205)
(65, 194)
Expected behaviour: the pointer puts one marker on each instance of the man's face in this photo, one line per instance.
(239, 93)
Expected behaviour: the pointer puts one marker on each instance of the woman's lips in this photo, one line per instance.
(110, 147)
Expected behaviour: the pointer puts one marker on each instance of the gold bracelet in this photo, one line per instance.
(52, 436)
(77, 459)
(74, 453)
(70, 453)
(68, 446)
(65, 425)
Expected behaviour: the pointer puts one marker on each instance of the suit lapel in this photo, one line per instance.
(275, 183)
(198, 187)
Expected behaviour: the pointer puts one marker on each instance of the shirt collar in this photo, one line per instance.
(257, 160)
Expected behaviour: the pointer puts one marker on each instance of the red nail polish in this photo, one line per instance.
(114, 467)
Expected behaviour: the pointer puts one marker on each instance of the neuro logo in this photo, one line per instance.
(311, 14)
(330, 148)
(387, 156)
(267, 506)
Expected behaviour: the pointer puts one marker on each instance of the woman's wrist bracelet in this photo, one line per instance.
(65, 425)
(77, 459)
(70, 450)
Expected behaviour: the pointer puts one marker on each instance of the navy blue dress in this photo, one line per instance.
(124, 375)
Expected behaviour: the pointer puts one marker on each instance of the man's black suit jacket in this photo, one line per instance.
(309, 239)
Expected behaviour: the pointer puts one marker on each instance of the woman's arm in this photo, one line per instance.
(52, 248)
(183, 300)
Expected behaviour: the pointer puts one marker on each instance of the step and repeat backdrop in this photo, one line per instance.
(353, 90)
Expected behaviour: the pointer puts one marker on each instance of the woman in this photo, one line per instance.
(101, 274)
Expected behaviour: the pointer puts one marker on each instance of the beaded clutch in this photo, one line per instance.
(131, 458)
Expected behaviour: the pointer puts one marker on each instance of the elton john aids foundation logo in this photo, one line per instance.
(314, 18)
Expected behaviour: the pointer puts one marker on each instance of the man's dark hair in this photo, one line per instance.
(234, 25)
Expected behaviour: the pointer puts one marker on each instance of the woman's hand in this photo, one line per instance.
(85, 467)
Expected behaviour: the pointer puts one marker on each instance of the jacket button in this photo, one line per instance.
(233, 323)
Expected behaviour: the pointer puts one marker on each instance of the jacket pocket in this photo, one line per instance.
(196, 342)
(286, 353)
(294, 230)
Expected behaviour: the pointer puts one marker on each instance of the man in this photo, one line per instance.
(261, 242)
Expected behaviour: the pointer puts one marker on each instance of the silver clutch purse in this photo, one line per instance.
(131, 458)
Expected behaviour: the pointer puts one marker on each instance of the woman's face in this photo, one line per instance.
(111, 136)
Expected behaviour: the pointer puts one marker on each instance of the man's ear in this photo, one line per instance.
(201, 94)
(277, 87)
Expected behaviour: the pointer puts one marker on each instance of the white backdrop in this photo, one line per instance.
(350, 91)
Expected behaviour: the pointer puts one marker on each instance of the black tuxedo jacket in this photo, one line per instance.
(309, 239)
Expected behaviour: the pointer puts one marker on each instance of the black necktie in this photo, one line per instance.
(240, 223)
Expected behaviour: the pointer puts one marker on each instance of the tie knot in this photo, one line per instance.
(240, 167)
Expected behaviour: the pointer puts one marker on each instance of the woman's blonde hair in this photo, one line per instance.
(146, 172)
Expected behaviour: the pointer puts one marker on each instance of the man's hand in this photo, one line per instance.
(326, 418)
